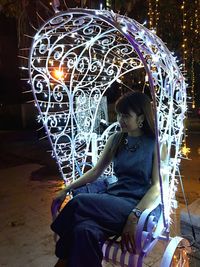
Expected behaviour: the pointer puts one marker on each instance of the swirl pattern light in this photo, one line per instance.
(75, 57)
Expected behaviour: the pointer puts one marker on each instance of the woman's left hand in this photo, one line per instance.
(128, 234)
(57, 202)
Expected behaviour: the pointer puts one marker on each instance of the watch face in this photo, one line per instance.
(137, 212)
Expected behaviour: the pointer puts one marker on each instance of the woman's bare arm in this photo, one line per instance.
(91, 175)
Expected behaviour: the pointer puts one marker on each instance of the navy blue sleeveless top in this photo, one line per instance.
(133, 167)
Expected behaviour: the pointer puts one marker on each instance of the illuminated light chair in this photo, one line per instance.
(75, 57)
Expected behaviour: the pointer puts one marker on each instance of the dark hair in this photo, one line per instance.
(140, 104)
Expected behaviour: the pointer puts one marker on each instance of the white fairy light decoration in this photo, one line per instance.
(75, 57)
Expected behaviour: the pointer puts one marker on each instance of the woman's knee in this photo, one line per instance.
(82, 228)
(80, 198)
(87, 229)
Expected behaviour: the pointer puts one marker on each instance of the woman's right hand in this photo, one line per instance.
(128, 234)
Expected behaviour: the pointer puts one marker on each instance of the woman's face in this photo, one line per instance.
(129, 123)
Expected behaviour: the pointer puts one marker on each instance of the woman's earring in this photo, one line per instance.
(140, 124)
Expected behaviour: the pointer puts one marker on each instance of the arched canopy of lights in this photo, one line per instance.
(75, 58)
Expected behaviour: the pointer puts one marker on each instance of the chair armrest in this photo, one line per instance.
(149, 227)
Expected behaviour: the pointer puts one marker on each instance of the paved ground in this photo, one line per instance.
(25, 237)
(29, 180)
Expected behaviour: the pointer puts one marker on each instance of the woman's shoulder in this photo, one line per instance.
(115, 137)
(114, 141)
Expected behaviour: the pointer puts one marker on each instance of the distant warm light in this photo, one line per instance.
(51, 62)
(180, 258)
(185, 150)
(154, 15)
(58, 74)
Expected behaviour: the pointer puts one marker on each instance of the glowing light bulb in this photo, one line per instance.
(51, 62)
(124, 29)
(58, 74)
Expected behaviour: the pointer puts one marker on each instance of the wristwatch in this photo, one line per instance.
(137, 212)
